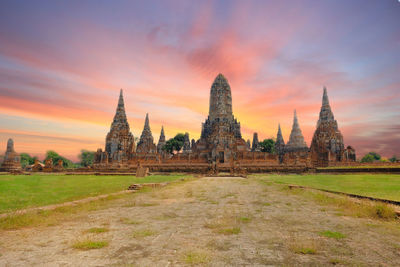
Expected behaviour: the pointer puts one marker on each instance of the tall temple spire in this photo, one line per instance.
(296, 139)
(161, 141)
(295, 120)
(280, 144)
(146, 133)
(279, 137)
(120, 114)
(119, 139)
(121, 99)
(12, 160)
(146, 123)
(220, 99)
(10, 145)
(327, 137)
(325, 114)
(256, 144)
(186, 144)
(220, 135)
(162, 134)
(146, 141)
(325, 100)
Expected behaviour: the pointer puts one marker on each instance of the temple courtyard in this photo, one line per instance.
(217, 221)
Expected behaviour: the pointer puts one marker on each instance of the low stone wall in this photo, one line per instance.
(358, 170)
(248, 167)
(366, 164)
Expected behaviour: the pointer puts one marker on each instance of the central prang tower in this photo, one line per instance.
(220, 134)
(120, 143)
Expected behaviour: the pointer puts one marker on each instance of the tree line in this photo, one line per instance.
(375, 157)
(86, 159)
(175, 144)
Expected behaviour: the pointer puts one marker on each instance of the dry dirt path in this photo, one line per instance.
(209, 221)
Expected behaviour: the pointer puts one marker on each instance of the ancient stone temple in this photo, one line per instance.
(327, 143)
(221, 147)
(119, 141)
(280, 144)
(350, 154)
(220, 138)
(255, 147)
(193, 143)
(186, 144)
(296, 140)
(161, 141)
(146, 142)
(12, 161)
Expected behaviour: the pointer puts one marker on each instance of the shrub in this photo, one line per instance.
(330, 234)
(89, 244)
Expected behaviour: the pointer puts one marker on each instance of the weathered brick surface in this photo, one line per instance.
(161, 141)
(146, 143)
(120, 143)
(221, 138)
(327, 146)
(296, 141)
(12, 160)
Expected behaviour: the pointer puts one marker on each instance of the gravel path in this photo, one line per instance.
(209, 221)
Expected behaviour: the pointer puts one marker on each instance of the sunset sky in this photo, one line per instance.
(62, 64)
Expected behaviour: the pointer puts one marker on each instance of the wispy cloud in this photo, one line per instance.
(59, 71)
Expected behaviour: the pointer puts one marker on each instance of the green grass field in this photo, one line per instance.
(386, 186)
(25, 191)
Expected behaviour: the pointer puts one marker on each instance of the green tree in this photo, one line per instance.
(56, 157)
(371, 157)
(26, 159)
(86, 157)
(268, 145)
(174, 144)
(375, 155)
(368, 158)
(393, 159)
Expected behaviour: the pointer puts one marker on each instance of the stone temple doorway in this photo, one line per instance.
(221, 157)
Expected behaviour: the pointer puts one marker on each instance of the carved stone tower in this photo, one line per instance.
(220, 135)
(256, 144)
(161, 141)
(186, 144)
(146, 143)
(12, 161)
(327, 143)
(280, 144)
(120, 143)
(296, 139)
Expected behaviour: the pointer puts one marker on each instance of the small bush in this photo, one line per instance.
(335, 261)
(362, 209)
(303, 246)
(245, 219)
(330, 234)
(304, 250)
(128, 221)
(194, 258)
(143, 233)
(382, 211)
(97, 230)
(89, 244)
(229, 231)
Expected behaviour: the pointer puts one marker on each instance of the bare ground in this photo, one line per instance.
(209, 221)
